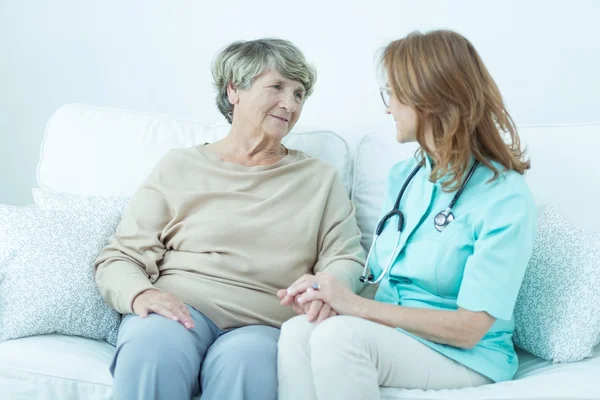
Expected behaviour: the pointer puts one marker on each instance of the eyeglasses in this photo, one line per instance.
(385, 96)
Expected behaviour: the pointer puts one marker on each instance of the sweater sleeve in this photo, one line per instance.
(340, 252)
(128, 266)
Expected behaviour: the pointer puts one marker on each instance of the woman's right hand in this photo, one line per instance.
(162, 303)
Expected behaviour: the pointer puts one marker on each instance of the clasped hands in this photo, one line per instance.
(320, 296)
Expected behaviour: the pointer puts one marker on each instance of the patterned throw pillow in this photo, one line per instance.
(46, 273)
(557, 314)
(52, 200)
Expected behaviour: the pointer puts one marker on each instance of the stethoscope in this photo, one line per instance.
(441, 221)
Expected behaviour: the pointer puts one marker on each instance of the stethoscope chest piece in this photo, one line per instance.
(442, 220)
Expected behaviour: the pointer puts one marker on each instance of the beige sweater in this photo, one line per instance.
(224, 237)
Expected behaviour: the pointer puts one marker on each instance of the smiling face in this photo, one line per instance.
(272, 105)
(405, 116)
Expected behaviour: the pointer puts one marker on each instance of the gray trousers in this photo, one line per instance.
(158, 358)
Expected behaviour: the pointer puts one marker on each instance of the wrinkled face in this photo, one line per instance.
(272, 105)
(405, 116)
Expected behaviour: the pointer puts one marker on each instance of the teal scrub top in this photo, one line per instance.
(477, 262)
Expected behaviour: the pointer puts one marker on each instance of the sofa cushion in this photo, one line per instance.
(57, 367)
(536, 379)
(109, 152)
(557, 314)
(46, 272)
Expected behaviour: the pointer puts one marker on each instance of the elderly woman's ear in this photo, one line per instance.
(232, 94)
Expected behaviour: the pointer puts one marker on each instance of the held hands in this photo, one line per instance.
(162, 303)
(316, 310)
(323, 289)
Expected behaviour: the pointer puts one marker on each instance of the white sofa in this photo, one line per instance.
(98, 151)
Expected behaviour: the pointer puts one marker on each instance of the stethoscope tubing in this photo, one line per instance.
(437, 221)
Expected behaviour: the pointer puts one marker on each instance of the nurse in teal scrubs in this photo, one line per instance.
(442, 316)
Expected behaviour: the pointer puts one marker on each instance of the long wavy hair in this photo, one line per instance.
(441, 75)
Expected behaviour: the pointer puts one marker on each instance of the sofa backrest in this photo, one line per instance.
(99, 151)
(108, 152)
(564, 172)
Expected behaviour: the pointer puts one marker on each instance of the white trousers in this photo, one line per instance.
(350, 358)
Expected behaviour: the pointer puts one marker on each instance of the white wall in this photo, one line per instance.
(155, 56)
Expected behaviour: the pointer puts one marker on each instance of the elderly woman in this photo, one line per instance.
(215, 230)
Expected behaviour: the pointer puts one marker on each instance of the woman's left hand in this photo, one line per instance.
(329, 290)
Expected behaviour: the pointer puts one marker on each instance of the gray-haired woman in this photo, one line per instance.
(215, 230)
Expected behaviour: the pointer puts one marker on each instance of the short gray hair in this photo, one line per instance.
(242, 61)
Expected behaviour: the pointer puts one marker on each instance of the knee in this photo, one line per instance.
(152, 339)
(255, 347)
(333, 336)
(158, 354)
(295, 332)
(292, 348)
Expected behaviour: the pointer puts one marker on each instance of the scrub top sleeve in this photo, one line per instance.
(504, 242)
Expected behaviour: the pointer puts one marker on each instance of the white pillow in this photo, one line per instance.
(557, 314)
(46, 273)
(50, 199)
